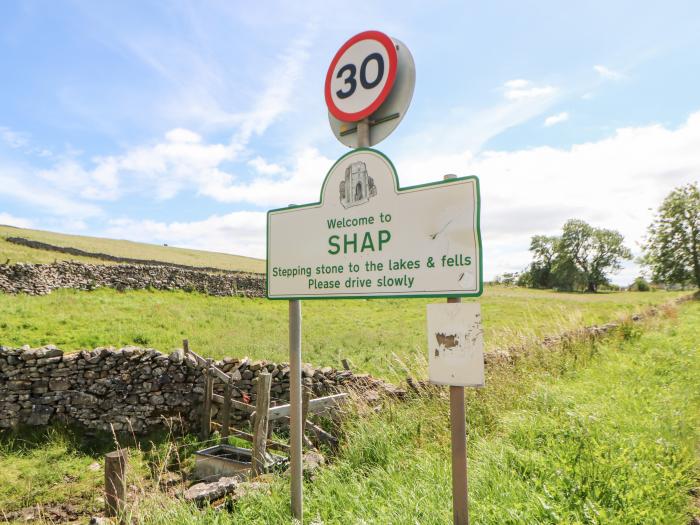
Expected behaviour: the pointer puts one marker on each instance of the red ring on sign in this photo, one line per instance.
(391, 76)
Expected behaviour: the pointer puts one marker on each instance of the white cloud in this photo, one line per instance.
(469, 130)
(556, 119)
(520, 89)
(300, 184)
(184, 160)
(275, 98)
(11, 220)
(265, 168)
(12, 138)
(184, 136)
(19, 184)
(607, 73)
(162, 169)
(240, 233)
(611, 183)
(518, 83)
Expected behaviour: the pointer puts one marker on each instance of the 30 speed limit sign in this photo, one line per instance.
(361, 76)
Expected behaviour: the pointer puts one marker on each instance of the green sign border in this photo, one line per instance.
(399, 189)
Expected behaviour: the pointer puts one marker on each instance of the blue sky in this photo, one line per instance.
(182, 123)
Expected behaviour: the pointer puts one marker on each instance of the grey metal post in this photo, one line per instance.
(363, 133)
(295, 407)
(458, 434)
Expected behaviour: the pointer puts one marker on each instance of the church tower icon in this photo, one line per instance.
(357, 187)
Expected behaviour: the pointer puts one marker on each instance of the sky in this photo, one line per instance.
(184, 122)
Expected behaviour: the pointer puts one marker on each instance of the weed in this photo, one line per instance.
(141, 340)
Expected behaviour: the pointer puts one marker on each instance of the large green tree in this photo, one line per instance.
(582, 257)
(595, 252)
(672, 250)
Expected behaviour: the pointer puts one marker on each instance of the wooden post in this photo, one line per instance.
(295, 432)
(226, 415)
(346, 364)
(115, 482)
(262, 406)
(186, 346)
(206, 405)
(458, 435)
(305, 398)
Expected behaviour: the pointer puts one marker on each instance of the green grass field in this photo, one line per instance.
(598, 433)
(381, 336)
(119, 248)
(601, 433)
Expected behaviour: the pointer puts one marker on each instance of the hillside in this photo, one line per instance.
(118, 248)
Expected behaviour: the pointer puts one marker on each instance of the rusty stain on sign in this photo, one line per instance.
(448, 341)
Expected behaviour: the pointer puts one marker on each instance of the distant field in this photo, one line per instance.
(119, 248)
(380, 336)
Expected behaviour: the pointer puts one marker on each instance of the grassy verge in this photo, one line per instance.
(604, 433)
(379, 336)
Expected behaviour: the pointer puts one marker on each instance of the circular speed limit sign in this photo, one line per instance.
(361, 76)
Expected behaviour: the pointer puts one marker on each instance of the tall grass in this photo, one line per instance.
(594, 433)
(377, 336)
(601, 433)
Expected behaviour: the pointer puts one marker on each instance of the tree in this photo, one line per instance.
(672, 250)
(594, 252)
(640, 284)
(544, 252)
(580, 259)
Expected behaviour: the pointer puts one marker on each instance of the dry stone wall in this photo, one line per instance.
(138, 389)
(41, 279)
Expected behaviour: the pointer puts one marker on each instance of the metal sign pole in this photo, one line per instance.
(363, 133)
(458, 430)
(295, 407)
(458, 434)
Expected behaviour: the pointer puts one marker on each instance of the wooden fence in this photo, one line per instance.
(261, 414)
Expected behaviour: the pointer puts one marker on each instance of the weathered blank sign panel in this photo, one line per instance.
(369, 238)
(455, 344)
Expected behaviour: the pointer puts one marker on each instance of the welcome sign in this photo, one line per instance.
(368, 237)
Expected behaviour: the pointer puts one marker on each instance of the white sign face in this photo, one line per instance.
(369, 238)
(455, 344)
(361, 76)
(388, 116)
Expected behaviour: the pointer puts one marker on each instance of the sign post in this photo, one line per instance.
(458, 439)
(367, 236)
(295, 429)
(456, 358)
(458, 435)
